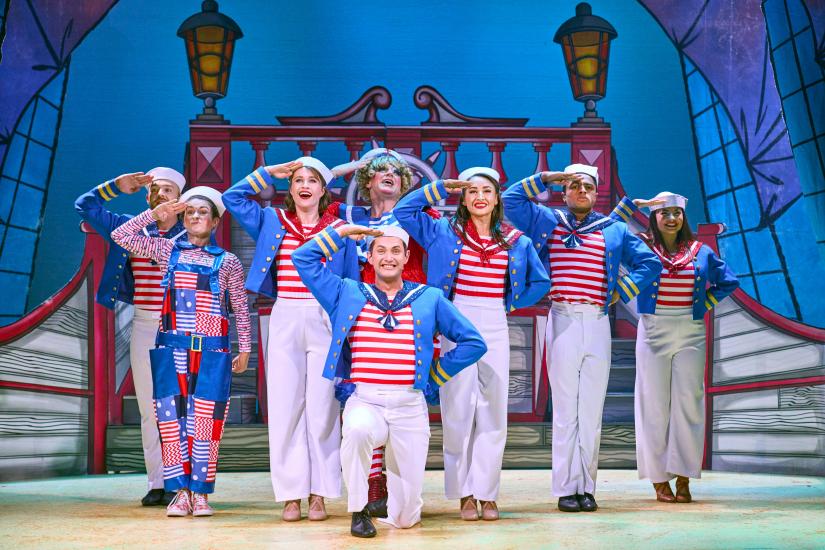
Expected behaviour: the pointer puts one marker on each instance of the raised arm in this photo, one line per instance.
(411, 210)
(130, 237)
(238, 198)
(722, 280)
(470, 345)
(92, 205)
(626, 208)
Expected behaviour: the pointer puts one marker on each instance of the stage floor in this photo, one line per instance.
(731, 511)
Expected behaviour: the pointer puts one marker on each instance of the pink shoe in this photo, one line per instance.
(201, 507)
(181, 505)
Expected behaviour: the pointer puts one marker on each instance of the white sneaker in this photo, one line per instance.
(181, 505)
(201, 506)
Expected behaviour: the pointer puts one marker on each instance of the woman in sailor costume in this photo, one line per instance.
(487, 269)
(303, 414)
(192, 365)
(670, 350)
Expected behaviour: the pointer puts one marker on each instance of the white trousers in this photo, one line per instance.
(670, 396)
(578, 337)
(377, 415)
(303, 414)
(144, 330)
(474, 407)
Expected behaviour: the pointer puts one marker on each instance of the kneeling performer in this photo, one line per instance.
(387, 329)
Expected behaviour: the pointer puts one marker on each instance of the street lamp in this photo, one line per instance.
(585, 41)
(210, 43)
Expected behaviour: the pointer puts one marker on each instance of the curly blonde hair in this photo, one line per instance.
(380, 164)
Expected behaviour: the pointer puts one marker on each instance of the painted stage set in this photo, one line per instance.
(746, 145)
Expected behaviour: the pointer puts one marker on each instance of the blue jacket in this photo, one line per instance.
(343, 301)
(713, 280)
(265, 227)
(527, 279)
(117, 282)
(621, 246)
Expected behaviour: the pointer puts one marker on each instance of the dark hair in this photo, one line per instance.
(215, 213)
(462, 215)
(654, 236)
(323, 204)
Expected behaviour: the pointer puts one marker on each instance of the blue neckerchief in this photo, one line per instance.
(590, 224)
(408, 293)
(210, 248)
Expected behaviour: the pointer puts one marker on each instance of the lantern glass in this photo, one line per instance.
(209, 49)
(586, 54)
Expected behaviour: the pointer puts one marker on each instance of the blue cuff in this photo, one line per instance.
(532, 185)
(625, 209)
(627, 288)
(329, 241)
(435, 192)
(260, 179)
(108, 190)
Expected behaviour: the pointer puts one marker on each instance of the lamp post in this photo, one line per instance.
(210, 43)
(585, 41)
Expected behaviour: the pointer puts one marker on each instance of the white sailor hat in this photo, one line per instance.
(391, 231)
(585, 170)
(321, 168)
(209, 192)
(671, 200)
(465, 175)
(381, 151)
(168, 174)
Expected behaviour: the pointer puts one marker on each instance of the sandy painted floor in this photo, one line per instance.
(731, 511)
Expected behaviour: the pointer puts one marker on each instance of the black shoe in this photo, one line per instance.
(168, 497)
(587, 502)
(154, 498)
(362, 525)
(377, 508)
(569, 504)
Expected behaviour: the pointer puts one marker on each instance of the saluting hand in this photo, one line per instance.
(358, 232)
(284, 170)
(168, 210)
(349, 167)
(132, 183)
(560, 177)
(647, 203)
(456, 186)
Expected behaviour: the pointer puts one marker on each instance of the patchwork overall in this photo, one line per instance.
(192, 372)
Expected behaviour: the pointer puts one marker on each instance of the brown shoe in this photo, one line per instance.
(664, 492)
(469, 508)
(683, 489)
(292, 510)
(489, 510)
(317, 510)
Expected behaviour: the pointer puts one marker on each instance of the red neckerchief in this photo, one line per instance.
(294, 227)
(678, 260)
(471, 239)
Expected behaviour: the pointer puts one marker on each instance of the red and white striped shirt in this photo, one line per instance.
(578, 275)
(380, 356)
(148, 292)
(286, 276)
(676, 290)
(481, 280)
